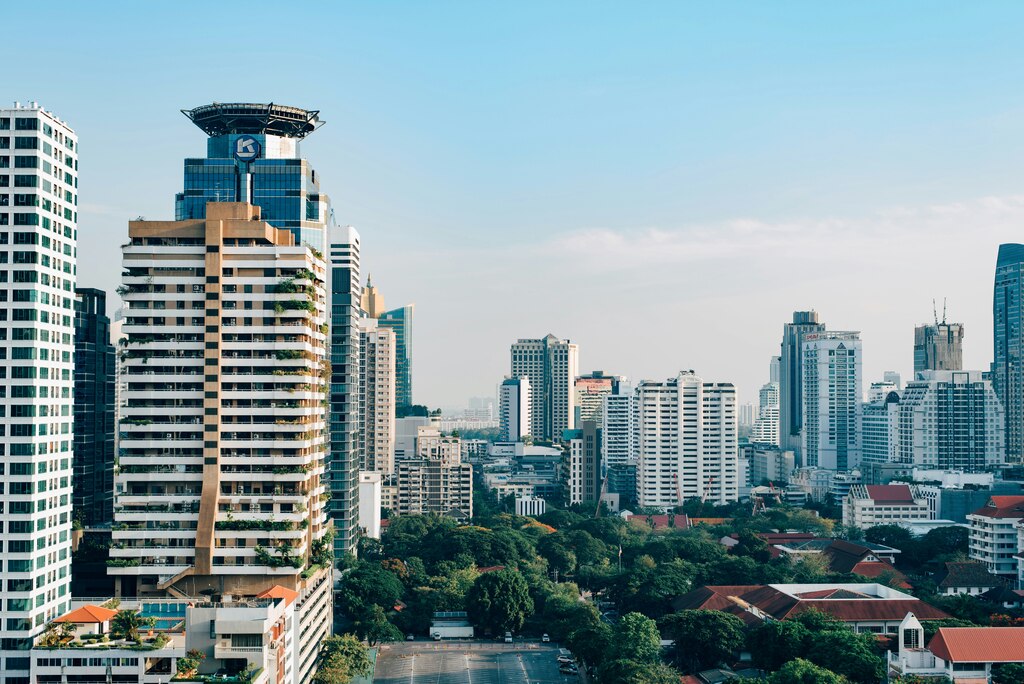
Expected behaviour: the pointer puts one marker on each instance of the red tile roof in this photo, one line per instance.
(277, 591)
(875, 569)
(890, 494)
(88, 615)
(979, 644)
(1003, 507)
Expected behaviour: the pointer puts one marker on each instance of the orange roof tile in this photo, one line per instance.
(88, 615)
(1003, 507)
(277, 591)
(979, 644)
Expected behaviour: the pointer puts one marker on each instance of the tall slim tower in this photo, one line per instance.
(833, 400)
(551, 365)
(400, 320)
(95, 377)
(618, 450)
(791, 378)
(1008, 345)
(38, 226)
(514, 408)
(344, 393)
(376, 397)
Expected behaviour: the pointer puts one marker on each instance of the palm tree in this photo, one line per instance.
(57, 633)
(127, 623)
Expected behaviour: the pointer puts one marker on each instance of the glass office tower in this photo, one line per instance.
(253, 156)
(1008, 344)
(400, 320)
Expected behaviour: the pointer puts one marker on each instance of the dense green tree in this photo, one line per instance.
(801, 671)
(342, 658)
(632, 672)
(773, 644)
(817, 621)
(702, 638)
(752, 546)
(373, 626)
(590, 642)
(946, 540)
(847, 653)
(890, 535)
(366, 585)
(636, 638)
(1008, 673)
(499, 601)
(933, 626)
(650, 590)
(126, 624)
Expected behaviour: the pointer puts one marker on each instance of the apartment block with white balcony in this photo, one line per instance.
(376, 397)
(993, 534)
(38, 255)
(223, 432)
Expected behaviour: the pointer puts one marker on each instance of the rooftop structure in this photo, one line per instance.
(250, 117)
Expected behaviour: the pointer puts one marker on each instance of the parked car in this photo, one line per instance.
(508, 637)
(436, 636)
(410, 637)
(566, 660)
(545, 638)
(568, 668)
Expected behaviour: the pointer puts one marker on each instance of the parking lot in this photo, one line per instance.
(469, 662)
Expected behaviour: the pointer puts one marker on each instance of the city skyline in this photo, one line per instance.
(532, 187)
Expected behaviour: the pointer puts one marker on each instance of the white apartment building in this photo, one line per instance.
(994, 535)
(766, 425)
(430, 443)
(514, 403)
(880, 439)
(686, 441)
(38, 250)
(831, 400)
(869, 505)
(618, 448)
(951, 420)
(376, 397)
(432, 486)
(590, 391)
(221, 478)
(531, 506)
(551, 365)
(370, 485)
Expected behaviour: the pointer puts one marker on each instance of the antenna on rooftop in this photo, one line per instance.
(935, 313)
(943, 311)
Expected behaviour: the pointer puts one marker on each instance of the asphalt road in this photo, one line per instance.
(469, 662)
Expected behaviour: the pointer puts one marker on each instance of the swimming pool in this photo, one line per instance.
(168, 615)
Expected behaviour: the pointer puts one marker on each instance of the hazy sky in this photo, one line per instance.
(663, 183)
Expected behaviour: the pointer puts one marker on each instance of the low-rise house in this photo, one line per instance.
(963, 654)
(861, 560)
(872, 608)
(993, 534)
(966, 577)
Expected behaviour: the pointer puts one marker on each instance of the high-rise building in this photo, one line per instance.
(878, 391)
(38, 243)
(95, 369)
(252, 155)
(791, 384)
(893, 377)
(832, 401)
(766, 425)
(618, 450)
(372, 301)
(584, 462)
(550, 364)
(951, 420)
(436, 480)
(376, 397)
(221, 481)
(514, 409)
(590, 391)
(686, 441)
(775, 369)
(1008, 345)
(400, 320)
(343, 464)
(880, 440)
(939, 346)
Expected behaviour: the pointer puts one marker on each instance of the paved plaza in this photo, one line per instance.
(469, 662)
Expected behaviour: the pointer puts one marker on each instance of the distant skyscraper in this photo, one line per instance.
(951, 420)
(893, 377)
(832, 400)
(584, 443)
(551, 365)
(344, 391)
(95, 371)
(686, 441)
(376, 397)
(1008, 343)
(591, 389)
(514, 411)
(775, 369)
(400, 320)
(880, 425)
(372, 301)
(938, 347)
(39, 155)
(791, 378)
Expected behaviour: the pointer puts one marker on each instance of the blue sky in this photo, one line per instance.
(661, 182)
